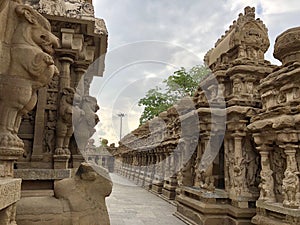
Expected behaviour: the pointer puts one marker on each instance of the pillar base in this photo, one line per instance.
(61, 161)
(268, 213)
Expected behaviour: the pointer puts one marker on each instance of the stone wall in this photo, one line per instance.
(240, 164)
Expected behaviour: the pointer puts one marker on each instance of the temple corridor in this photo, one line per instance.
(130, 204)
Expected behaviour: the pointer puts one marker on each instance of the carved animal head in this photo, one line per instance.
(68, 95)
(34, 30)
(90, 102)
(97, 178)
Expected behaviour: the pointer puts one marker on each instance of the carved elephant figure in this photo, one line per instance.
(31, 67)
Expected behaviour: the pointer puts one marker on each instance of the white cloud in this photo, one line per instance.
(184, 30)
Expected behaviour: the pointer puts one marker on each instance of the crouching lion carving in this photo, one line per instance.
(77, 201)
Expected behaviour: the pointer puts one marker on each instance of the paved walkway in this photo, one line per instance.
(132, 205)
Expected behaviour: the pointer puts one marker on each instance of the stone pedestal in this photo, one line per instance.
(61, 161)
(157, 185)
(169, 188)
(210, 208)
(275, 214)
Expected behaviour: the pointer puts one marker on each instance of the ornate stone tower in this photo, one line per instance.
(276, 134)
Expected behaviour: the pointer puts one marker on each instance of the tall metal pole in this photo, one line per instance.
(121, 115)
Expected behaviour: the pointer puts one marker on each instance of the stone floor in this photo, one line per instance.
(132, 205)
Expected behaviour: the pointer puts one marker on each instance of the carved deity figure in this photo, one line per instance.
(290, 187)
(237, 86)
(64, 128)
(50, 132)
(267, 185)
(251, 163)
(239, 177)
(30, 67)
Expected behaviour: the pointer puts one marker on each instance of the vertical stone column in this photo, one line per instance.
(80, 69)
(62, 156)
(162, 166)
(267, 181)
(167, 173)
(152, 165)
(65, 74)
(172, 164)
(208, 168)
(39, 127)
(290, 182)
(238, 167)
(229, 162)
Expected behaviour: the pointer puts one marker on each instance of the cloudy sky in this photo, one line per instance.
(149, 39)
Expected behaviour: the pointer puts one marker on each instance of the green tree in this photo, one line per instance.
(155, 101)
(180, 84)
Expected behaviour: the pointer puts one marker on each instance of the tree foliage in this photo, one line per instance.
(180, 84)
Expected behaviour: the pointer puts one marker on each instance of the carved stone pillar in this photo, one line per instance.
(228, 148)
(172, 164)
(267, 181)
(80, 70)
(38, 140)
(153, 165)
(65, 74)
(290, 183)
(64, 127)
(167, 172)
(208, 169)
(239, 170)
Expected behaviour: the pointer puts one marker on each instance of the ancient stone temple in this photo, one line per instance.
(276, 134)
(240, 165)
(62, 122)
(47, 115)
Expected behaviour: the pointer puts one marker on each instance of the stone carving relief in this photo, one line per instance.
(239, 175)
(31, 67)
(237, 86)
(278, 160)
(50, 132)
(64, 126)
(8, 216)
(100, 26)
(252, 164)
(266, 186)
(70, 8)
(84, 128)
(290, 187)
(53, 84)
